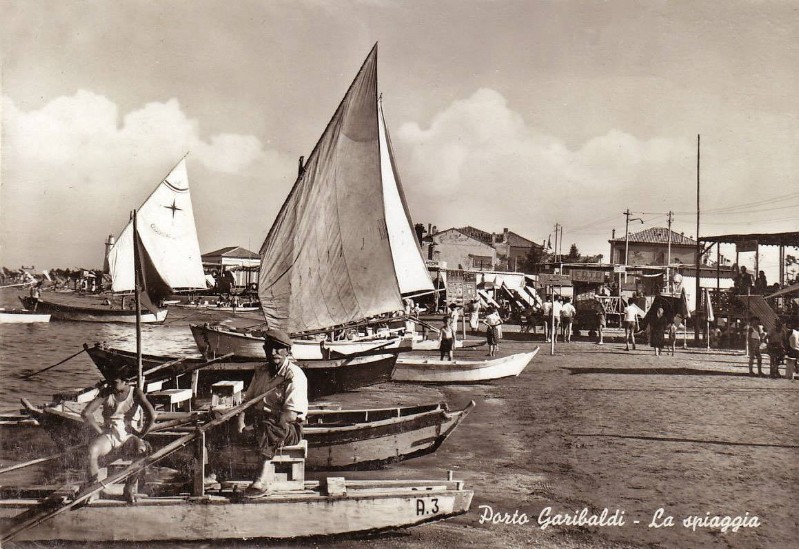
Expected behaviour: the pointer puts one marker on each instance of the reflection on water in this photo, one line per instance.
(26, 348)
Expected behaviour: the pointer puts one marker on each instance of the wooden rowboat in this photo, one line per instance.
(430, 370)
(60, 311)
(314, 510)
(337, 439)
(218, 340)
(325, 377)
(22, 316)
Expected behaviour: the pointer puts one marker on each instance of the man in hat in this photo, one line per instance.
(123, 406)
(278, 421)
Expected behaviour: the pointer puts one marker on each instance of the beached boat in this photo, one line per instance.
(433, 370)
(325, 377)
(216, 340)
(183, 505)
(337, 439)
(22, 316)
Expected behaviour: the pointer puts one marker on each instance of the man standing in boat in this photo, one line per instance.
(122, 407)
(278, 422)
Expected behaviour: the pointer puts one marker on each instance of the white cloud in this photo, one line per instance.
(480, 163)
(74, 167)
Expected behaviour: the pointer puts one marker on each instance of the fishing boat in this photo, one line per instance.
(325, 377)
(215, 340)
(183, 506)
(22, 316)
(168, 238)
(337, 439)
(432, 370)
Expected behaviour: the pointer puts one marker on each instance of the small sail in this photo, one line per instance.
(411, 271)
(152, 288)
(168, 233)
(327, 258)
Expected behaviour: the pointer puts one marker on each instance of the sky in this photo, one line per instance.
(517, 114)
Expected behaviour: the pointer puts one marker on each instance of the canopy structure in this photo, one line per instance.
(762, 239)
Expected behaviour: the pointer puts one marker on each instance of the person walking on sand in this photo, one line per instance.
(547, 311)
(601, 321)
(756, 338)
(446, 341)
(775, 345)
(630, 324)
(557, 309)
(657, 326)
(567, 314)
(492, 321)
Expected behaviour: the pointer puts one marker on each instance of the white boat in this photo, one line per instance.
(215, 340)
(311, 511)
(22, 316)
(431, 370)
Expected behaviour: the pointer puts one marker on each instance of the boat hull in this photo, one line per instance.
(325, 377)
(366, 506)
(427, 370)
(212, 341)
(340, 439)
(58, 311)
(21, 316)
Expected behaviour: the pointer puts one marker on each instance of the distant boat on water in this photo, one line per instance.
(168, 239)
(22, 316)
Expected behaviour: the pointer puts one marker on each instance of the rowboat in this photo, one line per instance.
(325, 377)
(332, 507)
(63, 311)
(430, 370)
(337, 439)
(293, 508)
(22, 316)
(216, 340)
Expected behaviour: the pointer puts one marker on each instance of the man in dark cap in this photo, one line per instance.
(278, 422)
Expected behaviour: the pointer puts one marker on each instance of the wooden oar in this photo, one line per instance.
(49, 509)
(53, 366)
(52, 457)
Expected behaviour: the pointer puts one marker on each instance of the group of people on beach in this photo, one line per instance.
(781, 343)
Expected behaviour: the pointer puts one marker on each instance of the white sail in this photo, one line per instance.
(327, 259)
(412, 273)
(167, 230)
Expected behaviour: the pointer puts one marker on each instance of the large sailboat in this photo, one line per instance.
(169, 237)
(342, 250)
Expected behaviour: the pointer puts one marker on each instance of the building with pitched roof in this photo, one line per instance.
(650, 247)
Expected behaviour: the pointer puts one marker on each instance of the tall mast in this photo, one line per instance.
(698, 246)
(137, 289)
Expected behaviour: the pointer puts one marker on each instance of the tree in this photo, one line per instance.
(533, 259)
(574, 253)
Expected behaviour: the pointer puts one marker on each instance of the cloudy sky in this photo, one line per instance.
(502, 113)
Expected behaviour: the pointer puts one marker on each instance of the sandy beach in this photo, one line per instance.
(595, 427)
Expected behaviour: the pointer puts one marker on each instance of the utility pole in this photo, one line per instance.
(557, 229)
(698, 248)
(668, 261)
(627, 214)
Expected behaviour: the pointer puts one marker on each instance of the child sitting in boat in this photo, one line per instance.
(122, 408)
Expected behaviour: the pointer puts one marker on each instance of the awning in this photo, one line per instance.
(788, 290)
(488, 299)
(759, 308)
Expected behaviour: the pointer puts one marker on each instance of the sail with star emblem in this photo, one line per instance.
(168, 234)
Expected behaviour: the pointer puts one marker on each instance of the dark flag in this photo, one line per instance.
(152, 288)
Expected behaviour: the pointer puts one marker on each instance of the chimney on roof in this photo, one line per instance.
(505, 234)
(435, 230)
(682, 233)
(613, 235)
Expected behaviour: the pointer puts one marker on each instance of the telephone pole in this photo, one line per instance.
(668, 261)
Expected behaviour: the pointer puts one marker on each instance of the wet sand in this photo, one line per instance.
(597, 427)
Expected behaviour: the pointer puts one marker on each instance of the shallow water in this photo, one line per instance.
(27, 348)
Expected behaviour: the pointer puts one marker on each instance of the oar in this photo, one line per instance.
(45, 511)
(53, 366)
